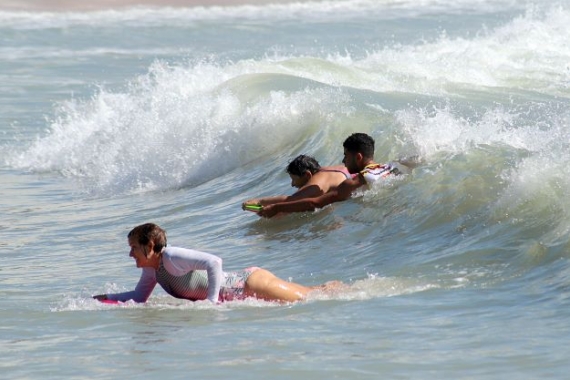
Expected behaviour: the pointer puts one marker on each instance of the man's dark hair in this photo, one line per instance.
(301, 164)
(360, 143)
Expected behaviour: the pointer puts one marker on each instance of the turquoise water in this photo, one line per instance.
(176, 115)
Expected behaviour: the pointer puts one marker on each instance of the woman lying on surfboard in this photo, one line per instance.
(194, 275)
(309, 177)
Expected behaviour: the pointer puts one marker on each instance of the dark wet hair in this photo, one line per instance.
(148, 232)
(360, 143)
(301, 164)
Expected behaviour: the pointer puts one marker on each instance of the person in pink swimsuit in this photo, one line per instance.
(195, 275)
(309, 177)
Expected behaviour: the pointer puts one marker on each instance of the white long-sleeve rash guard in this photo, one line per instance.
(178, 262)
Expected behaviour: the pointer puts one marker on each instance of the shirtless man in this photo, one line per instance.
(359, 160)
(310, 178)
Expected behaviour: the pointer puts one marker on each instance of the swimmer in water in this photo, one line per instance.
(309, 177)
(359, 160)
(195, 275)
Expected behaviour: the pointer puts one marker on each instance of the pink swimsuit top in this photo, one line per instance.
(343, 171)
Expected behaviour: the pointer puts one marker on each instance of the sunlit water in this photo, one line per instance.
(176, 115)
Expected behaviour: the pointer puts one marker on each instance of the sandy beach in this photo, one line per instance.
(79, 6)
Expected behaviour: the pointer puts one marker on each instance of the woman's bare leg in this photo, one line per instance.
(265, 285)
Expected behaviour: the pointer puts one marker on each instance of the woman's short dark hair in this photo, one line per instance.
(301, 164)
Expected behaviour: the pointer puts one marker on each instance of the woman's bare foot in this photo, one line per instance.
(330, 286)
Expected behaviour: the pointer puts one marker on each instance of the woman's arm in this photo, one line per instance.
(342, 192)
(265, 201)
(313, 188)
(142, 291)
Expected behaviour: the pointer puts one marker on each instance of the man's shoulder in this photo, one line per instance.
(354, 181)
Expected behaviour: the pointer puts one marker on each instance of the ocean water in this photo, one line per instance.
(176, 115)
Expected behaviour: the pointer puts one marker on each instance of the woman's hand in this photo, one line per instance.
(251, 202)
(267, 212)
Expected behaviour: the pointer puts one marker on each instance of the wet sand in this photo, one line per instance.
(96, 5)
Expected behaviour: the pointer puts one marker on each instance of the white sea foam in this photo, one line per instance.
(203, 119)
(177, 118)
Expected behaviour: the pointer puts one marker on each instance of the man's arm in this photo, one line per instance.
(142, 291)
(342, 192)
